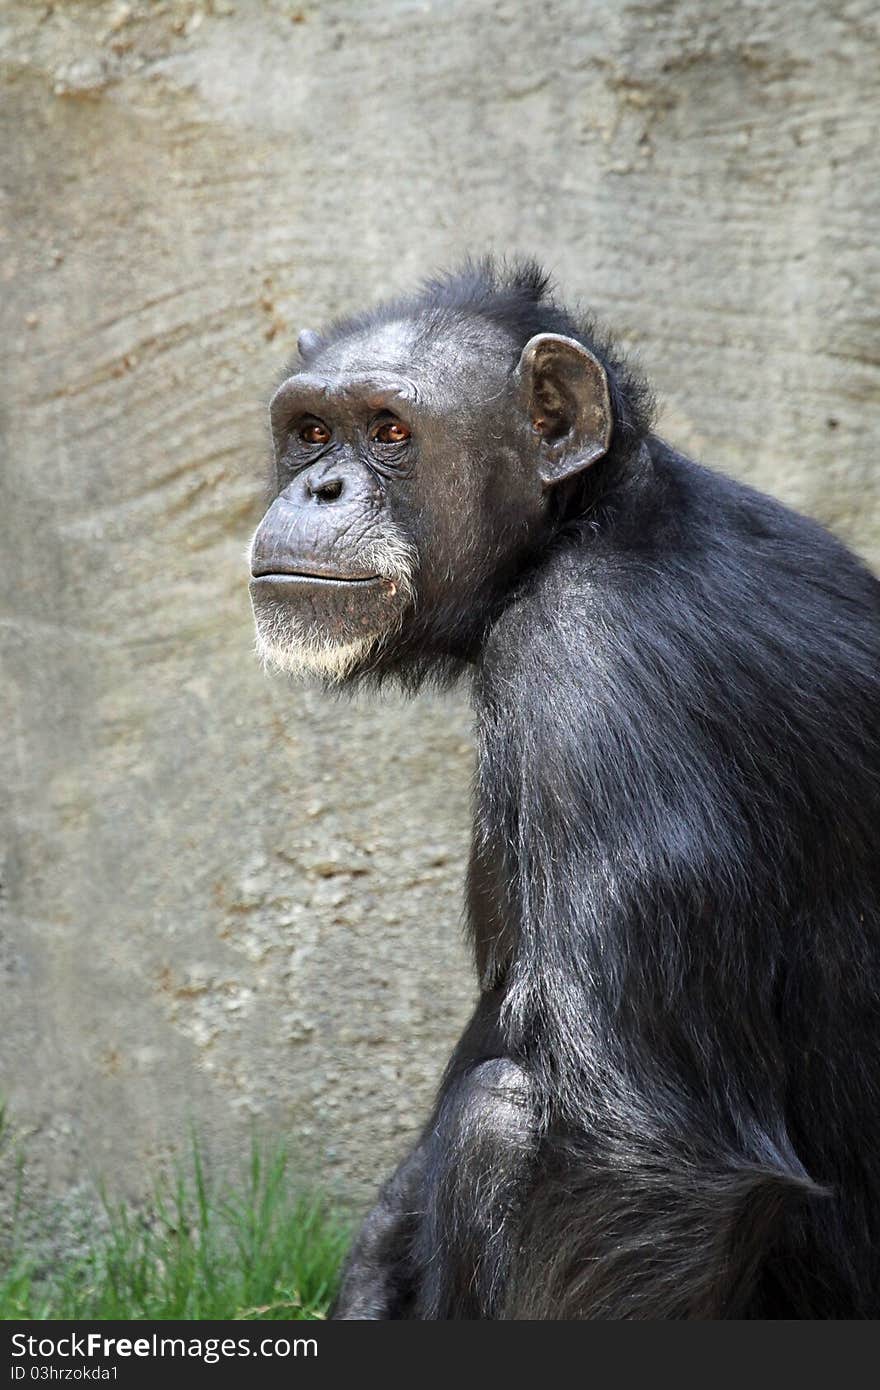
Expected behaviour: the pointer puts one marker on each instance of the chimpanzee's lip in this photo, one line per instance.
(304, 577)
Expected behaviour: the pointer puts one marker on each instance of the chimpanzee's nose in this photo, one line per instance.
(325, 494)
(325, 489)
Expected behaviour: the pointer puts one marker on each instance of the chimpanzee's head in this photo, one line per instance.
(418, 451)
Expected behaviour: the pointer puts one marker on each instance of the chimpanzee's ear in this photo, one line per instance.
(308, 343)
(565, 390)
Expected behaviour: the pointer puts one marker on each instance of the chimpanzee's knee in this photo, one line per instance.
(492, 1113)
(480, 1171)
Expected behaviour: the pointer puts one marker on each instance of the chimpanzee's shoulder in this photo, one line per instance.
(684, 572)
(692, 533)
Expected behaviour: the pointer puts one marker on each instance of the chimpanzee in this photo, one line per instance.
(667, 1102)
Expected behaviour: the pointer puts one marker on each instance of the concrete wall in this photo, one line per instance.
(225, 897)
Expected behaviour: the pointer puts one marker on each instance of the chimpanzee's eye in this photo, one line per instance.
(390, 431)
(314, 432)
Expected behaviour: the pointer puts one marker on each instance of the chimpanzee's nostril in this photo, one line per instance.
(328, 491)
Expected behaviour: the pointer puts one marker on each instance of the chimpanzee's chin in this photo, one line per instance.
(324, 628)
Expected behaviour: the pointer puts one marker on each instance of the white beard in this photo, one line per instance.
(284, 643)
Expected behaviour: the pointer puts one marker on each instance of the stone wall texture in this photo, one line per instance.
(226, 900)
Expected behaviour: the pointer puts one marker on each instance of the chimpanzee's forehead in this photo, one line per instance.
(420, 352)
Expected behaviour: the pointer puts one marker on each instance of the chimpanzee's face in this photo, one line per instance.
(385, 451)
(408, 476)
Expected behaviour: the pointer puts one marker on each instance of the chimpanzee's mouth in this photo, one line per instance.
(304, 577)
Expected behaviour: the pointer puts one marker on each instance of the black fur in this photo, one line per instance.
(668, 1101)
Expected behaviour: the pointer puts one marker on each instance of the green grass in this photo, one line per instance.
(198, 1249)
